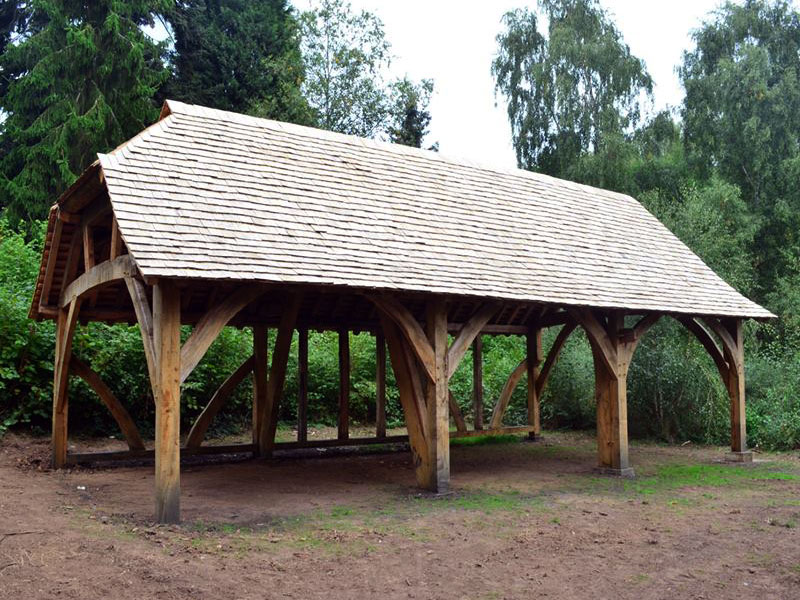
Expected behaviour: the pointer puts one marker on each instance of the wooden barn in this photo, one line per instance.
(212, 219)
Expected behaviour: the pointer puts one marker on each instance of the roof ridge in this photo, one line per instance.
(177, 107)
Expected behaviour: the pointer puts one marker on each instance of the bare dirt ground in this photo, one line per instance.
(524, 520)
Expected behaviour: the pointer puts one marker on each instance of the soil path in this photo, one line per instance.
(525, 520)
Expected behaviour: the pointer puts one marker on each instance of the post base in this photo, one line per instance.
(534, 437)
(740, 457)
(627, 472)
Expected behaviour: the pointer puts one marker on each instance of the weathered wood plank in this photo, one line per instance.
(343, 420)
(260, 378)
(467, 334)
(52, 257)
(532, 362)
(101, 274)
(277, 375)
(455, 412)
(477, 382)
(144, 316)
(116, 240)
(408, 385)
(167, 338)
(210, 326)
(597, 335)
(410, 329)
(302, 385)
(505, 394)
(552, 356)
(120, 414)
(204, 419)
(90, 457)
(380, 385)
(65, 328)
(437, 399)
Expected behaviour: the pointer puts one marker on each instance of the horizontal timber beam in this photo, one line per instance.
(101, 274)
(87, 457)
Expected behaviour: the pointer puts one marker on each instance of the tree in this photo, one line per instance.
(82, 78)
(409, 116)
(345, 56)
(742, 116)
(238, 55)
(567, 92)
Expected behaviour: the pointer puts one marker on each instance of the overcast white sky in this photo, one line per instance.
(453, 42)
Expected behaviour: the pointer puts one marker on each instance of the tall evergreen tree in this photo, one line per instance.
(81, 76)
(239, 55)
(409, 115)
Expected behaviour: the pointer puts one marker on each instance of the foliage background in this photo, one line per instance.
(738, 210)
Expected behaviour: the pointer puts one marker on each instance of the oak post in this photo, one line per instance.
(437, 399)
(65, 328)
(302, 385)
(534, 359)
(477, 381)
(380, 385)
(344, 384)
(167, 338)
(260, 357)
(735, 385)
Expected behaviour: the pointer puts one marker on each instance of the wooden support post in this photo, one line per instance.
(612, 349)
(409, 386)
(65, 328)
(534, 359)
(477, 382)
(380, 385)
(612, 402)
(735, 386)
(302, 385)
(437, 400)
(268, 420)
(344, 384)
(261, 358)
(167, 341)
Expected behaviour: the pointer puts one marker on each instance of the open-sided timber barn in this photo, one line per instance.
(210, 218)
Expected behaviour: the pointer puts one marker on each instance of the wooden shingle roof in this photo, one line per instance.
(216, 195)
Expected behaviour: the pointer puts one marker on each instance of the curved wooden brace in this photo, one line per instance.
(704, 337)
(467, 334)
(729, 347)
(598, 337)
(144, 315)
(409, 386)
(121, 416)
(203, 421)
(67, 320)
(102, 274)
(410, 329)
(455, 412)
(505, 394)
(552, 356)
(210, 325)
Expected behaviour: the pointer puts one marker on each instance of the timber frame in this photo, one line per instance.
(106, 260)
(426, 339)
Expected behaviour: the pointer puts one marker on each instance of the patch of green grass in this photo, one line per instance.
(486, 440)
(675, 476)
